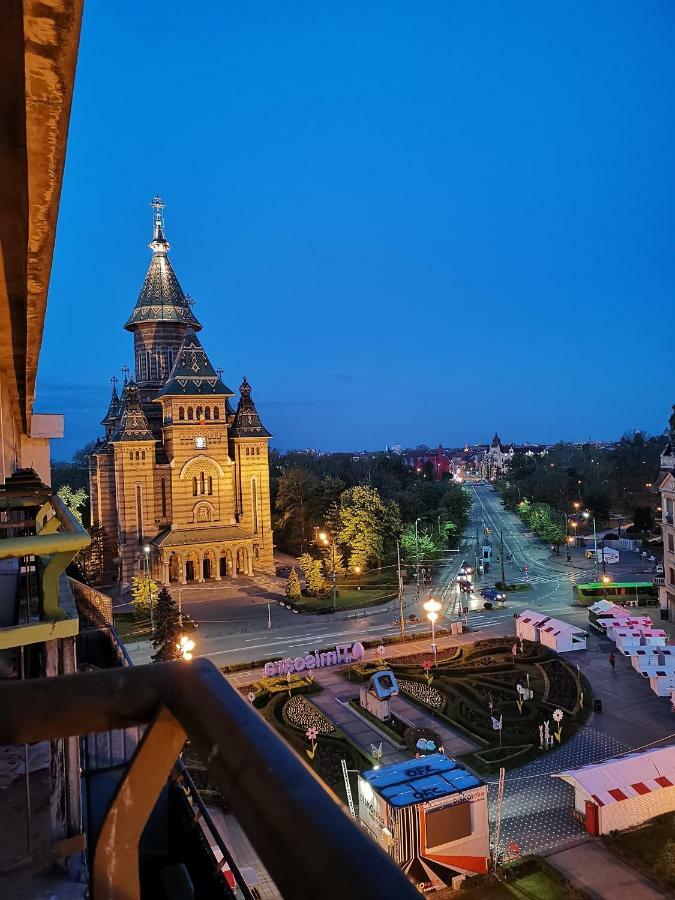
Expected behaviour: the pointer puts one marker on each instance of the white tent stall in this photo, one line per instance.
(554, 633)
(624, 792)
(662, 685)
(649, 661)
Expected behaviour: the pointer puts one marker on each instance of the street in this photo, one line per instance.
(234, 617)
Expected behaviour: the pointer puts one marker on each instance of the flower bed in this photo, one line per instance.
(425, 693)
(303, 714)
(417, 659)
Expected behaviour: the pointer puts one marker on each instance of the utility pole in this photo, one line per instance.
(417, 559)
(400, 590)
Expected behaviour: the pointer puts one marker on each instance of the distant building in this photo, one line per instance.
(421, 458)
(497, 457)
(666, 486)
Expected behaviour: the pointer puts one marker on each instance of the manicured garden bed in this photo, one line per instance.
(472, 684)
(290, 712)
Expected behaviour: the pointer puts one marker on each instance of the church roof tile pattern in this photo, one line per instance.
(161, 298)
(133, 424)
(114, 408)
(247, 422)
(192, 373)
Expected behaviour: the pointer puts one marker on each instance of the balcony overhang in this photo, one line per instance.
(38, 53)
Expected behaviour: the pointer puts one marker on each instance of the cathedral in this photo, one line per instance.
(180, 483)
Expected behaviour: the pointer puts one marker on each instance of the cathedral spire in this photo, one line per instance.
(161, 298)
(192, 373)
(113, 414)
(247, 422)
(159, 243)
(133, 423)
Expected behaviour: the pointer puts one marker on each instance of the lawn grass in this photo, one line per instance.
(531, 878)
(348, 597)
(650, 848)
(132, 628)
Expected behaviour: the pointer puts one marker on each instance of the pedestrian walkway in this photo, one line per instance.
(591, 867)
(334, 702)
(537, 813)
(453, 742)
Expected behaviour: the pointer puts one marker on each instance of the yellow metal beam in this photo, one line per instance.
(115, 871)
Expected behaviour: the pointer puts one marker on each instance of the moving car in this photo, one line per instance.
(465, 569)
(492, 594)
(464, 585)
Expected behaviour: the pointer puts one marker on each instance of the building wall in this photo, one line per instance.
(635, 810)
(253, 497)
(135, 497)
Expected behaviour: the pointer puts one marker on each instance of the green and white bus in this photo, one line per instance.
(640, 593)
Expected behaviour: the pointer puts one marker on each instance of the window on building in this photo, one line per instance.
(170, 356)
(181, 413)
(164, 498)
(200, 412)
(194, 487)
(131, 455)
(139, 514)
(254, 502)
(216, 412)
(190, 413)
(210, 484)
(202, 483)
(670, 543)
(247, 451)
(257, 451)
(671, 575)
(207, 412)
(142, 454)
(147, 364)
(137, 456)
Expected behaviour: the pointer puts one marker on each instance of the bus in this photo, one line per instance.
(625, 593)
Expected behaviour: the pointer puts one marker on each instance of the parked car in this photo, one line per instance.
(492, 594)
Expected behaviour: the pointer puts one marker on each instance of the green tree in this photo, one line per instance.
(312, 569)
(293, 591)
(428, 548)
(144, 592)
(167, 628)
(73, 499)
(364, 524)
(296, 488)
(90, 560)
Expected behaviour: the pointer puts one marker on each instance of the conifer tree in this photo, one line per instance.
(293, 591)
(167, 628)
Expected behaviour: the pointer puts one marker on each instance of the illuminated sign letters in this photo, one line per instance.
(343, 653)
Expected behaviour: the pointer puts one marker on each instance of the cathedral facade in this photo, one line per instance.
(180, 483)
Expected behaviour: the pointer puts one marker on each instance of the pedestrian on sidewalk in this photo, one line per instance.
(612, 661)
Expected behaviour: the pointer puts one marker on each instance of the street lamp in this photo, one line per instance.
(587, 515)
(185, 647)
(323, 537)
(432, 608)
(146, 551)
(357, 570)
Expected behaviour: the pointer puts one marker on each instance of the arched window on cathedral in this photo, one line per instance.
(153, 365)
(170, 358)
(247, 451)
(200, 412)
(137, 456)
(216, 412)
(202, 480)
(190, 413)
(257, 451)
(181, 412)
(131, 455)
(164, 498)
(147, 364)
(207, 412)
(210, 484)
(194, 487)
(142, 454)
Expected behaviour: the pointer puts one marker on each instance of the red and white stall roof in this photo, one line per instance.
(628, 776)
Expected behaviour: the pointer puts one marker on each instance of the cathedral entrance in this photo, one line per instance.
(206, 567)
(189, 570)
(174, 568)
(222, 563)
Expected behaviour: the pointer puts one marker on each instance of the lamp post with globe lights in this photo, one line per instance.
(148, 585)
(432, 608)
(329, 541)
(587, 515)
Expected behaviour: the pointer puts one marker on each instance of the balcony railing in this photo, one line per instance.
(59, 536)
(307, 843)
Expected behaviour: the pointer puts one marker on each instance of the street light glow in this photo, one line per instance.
(185, 646)
(146, 549)
(323, 536)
